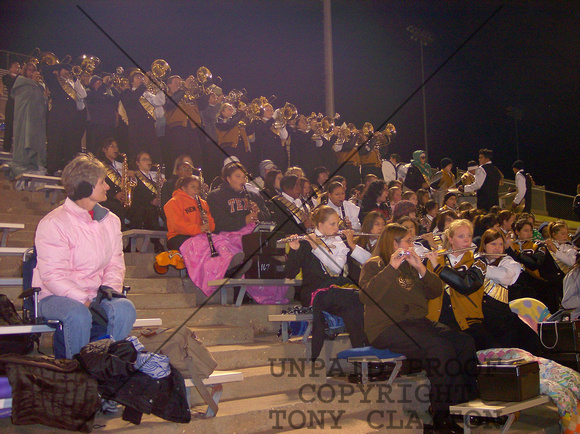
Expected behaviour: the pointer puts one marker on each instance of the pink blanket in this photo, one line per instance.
(201, 267)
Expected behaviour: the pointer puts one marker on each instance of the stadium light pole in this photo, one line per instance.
(328, 63)
(424, 38)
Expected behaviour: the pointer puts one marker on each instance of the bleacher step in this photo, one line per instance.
(161, 285)
(18, 216)
(265, 380)
(162, 301)
(145, 270)
(223, 335)
(252, 315)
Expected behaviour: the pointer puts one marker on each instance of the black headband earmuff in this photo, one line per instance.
(84, 189)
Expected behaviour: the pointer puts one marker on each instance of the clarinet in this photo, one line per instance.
(205, 221)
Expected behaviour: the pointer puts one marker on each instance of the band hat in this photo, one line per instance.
(217, 90)
(472, 167)
(264, 166)
(232, 159)
(542, 226)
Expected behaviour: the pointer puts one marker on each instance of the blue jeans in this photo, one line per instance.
(77, 319)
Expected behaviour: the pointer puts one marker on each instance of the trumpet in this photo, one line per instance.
(311, 236)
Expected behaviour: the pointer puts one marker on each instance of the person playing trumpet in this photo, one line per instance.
(234, 134)
(182, 114)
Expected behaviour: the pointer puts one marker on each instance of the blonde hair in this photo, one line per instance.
(82, 168)
(452, 229)
(321, 214)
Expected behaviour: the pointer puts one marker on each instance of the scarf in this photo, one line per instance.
(424, 168)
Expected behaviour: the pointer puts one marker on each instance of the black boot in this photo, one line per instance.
(442, 423)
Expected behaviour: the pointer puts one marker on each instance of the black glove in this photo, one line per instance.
(108, 293)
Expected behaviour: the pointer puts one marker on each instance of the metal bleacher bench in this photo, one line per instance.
(287, 318)
(45, 183)
(215, 381)
(39, 178)
(47, 328)
(146, 235)
(495, 409)
(13, 251)
(7, 229)
(226, 283)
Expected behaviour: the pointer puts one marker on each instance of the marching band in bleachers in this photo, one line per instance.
(442, 270)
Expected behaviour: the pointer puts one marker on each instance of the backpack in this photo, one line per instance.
(14, 344)
(187, 354)
(184, 344)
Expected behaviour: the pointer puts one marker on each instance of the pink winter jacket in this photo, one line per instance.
(77, 254)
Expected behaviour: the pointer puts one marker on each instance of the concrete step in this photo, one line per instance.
(18, 216)
(22, 238)
(223, 335)
(145, 270)
(139, 258)
(12, 292)
(254, 316)
(214, 334)
(162, 301)
(312, 408)
(10, 266)
(160, 285)
(265, 380)
(267, 349)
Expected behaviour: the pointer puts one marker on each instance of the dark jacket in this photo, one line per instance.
(56, 393)
(314, 275)
(111, 364)
(387, 301)
(103, 106)
(229, 208)
(487, 195)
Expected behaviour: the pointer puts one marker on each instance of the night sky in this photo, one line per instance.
(526, 56)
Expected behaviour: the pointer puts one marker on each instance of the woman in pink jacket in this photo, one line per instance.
(79, 249)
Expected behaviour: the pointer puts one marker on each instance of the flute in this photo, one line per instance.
(441, 253)
(310, 236)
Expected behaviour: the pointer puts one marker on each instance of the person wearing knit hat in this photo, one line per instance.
(264, 167)
(404, 208)
(524, 184)
(449, 201)
(443, 180)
